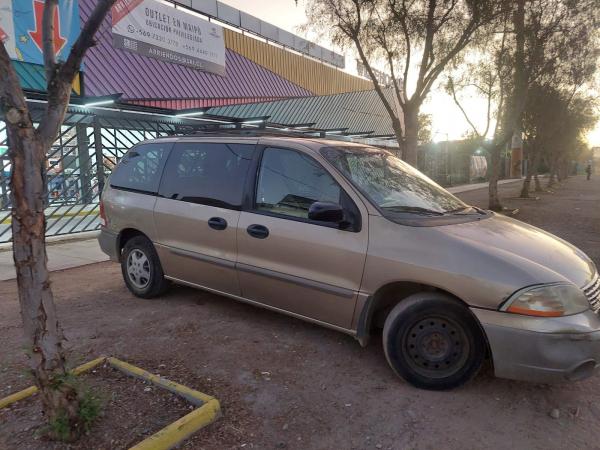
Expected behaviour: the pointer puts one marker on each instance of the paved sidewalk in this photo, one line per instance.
(476, 186)
(65, 255)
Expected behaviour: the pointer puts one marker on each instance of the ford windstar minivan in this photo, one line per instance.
(350, 237)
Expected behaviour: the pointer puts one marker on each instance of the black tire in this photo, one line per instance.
(433, 341)
(145, 278)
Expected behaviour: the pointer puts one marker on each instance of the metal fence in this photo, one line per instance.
(83, 155)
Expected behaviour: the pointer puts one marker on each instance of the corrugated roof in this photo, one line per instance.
(109, 70)
(189, 103)
(361, 111)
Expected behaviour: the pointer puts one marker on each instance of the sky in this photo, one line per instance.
(447, 120)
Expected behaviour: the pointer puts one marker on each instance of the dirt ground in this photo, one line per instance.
(118, 425)
(284, 383)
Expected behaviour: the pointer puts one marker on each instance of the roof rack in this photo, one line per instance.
(267, 133)
(278, 130)
(261, 127)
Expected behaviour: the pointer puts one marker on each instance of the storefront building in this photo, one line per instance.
(163, 68)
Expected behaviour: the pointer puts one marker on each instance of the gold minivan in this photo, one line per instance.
(350, 237)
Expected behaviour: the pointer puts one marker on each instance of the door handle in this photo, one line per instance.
(258, 231)
(217, 223)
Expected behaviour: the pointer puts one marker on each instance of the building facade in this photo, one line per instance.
(162, 68)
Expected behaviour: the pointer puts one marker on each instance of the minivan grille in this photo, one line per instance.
(592, 292)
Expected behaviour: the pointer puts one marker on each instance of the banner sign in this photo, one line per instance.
(21, 28)
(7, 28)
(159, 31)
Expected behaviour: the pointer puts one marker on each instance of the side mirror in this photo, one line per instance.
(326, 212)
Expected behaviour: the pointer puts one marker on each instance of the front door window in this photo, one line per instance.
(290, 181)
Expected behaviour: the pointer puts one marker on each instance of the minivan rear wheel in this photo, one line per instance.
(141, 268)
(433, 341)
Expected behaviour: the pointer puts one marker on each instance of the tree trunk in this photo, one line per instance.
(565, 169)
(397, 126)
(552, 178)
(28, 147)
(493, 198)
(560, 173)
(411, 131)
(527, 180)
(531, 170)
(43, 336)
(535, 167)
(526, 185)
(515, 106)
(538, 185)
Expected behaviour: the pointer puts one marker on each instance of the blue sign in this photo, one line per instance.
(27, 21)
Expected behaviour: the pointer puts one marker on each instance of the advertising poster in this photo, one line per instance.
(160, 31)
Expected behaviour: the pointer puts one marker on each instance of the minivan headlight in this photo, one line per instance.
(552, 300)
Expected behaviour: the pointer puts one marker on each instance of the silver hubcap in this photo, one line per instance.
(138, 269)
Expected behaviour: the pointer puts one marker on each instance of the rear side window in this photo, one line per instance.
(207, 173)
(141, 168)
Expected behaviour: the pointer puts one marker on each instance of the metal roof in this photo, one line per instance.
(186, 103)
(109, 70)
(360, 111)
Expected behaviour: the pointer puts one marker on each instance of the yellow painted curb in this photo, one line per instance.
(33, 389)
(18, 396)
(207, 412)
(179, 430)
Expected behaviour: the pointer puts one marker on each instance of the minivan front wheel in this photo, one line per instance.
(433, 341)
(141, 268)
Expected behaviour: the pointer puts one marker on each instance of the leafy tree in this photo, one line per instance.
(28, 147)
(562, 49)
(547, 42)
(496, 74)
(572, 117)
(407, 37)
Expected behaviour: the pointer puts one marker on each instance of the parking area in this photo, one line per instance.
(284, 383)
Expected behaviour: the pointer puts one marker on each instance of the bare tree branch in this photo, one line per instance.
(462, 110)
(59, 92)
(427, 46)
(361, 53)
(48, 37)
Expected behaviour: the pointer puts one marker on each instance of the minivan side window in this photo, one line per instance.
(140, 169)
(290, 181)
(207, 173)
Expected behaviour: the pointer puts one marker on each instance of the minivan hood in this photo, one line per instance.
(502, 234)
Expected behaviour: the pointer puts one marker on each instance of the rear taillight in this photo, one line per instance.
(103, 221)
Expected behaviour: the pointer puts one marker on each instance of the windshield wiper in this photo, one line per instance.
(413, 209)
(466, 210)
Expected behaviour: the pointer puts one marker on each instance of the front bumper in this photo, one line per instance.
(109, 243)
(542, 349)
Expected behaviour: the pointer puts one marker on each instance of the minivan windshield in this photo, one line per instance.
(393, 185)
